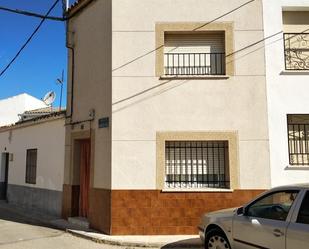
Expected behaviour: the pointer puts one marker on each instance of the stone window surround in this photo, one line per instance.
(161, 28)
(230, 136)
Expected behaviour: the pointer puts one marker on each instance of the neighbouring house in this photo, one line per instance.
(32, 160)
(167, 112)
(11, 107)
(286, 27)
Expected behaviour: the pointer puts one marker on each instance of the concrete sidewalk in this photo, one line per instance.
(28, 216)
(153, 241)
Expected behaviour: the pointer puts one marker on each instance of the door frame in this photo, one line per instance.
(76, 137)
(5, 156)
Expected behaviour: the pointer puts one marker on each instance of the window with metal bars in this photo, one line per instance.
(296, 51)
(196, 164)
(31, 166)
(298, 136)
(194, 53)
(296, 39)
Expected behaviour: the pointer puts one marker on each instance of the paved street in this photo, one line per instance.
(14, 235)
(21, 228)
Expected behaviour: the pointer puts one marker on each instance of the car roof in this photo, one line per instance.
(293, 186)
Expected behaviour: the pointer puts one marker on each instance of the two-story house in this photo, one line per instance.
(167, 112)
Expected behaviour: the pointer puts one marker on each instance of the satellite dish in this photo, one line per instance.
(49, 98)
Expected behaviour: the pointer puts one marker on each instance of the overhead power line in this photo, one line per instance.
(29, 39)
(27, 13)
(66, 16)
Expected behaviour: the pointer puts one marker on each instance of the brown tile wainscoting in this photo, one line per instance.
(152, 212)
(100, 210)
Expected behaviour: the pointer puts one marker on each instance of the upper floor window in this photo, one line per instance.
(191, 53)
(196, 164)
(298, 132)
(296, 39)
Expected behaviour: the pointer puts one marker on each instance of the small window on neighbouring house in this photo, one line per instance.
(31, 166)
(196, 164)
(298, 136)
(194, 53)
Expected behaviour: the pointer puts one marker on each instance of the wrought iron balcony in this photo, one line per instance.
(296, 51)
(194, 64)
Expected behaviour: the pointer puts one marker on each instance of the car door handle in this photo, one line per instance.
(277, 232)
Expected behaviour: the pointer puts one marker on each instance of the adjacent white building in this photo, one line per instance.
(32, 162)
(31, 153)
(11, 107)
(286, 29)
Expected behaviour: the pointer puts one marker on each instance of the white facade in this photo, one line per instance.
(47, 136)
(287, 91)
(144, 104)
(11, 107)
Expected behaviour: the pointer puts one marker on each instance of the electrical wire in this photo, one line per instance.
(27, 13)
(29, 39)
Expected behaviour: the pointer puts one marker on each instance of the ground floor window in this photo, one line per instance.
(31, 165)
(298, 136)
(196, 164)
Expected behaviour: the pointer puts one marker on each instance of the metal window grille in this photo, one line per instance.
(31, 165)
(196, 164)
(298, 136)
(296, 51)
(194, 63)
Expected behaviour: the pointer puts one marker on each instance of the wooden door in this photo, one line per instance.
(85, 152)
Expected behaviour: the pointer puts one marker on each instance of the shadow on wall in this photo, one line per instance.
(188, 243)
(153, 91)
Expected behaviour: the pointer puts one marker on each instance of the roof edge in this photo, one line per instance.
(78, 6)
(35, 121)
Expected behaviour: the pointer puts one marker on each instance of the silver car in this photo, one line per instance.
(277, 219)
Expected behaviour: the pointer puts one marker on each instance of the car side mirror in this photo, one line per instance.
(241, 211)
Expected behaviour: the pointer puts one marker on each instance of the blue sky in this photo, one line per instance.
(42, 61)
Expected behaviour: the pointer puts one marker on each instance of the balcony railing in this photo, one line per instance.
(194, 63)
(296, 51)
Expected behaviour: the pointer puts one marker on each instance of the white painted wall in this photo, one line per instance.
(143, 104)
(90, 34)
(286, 93)
(11, 107)
(48, 138)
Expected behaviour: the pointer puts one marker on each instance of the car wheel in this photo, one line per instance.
(216, 239)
